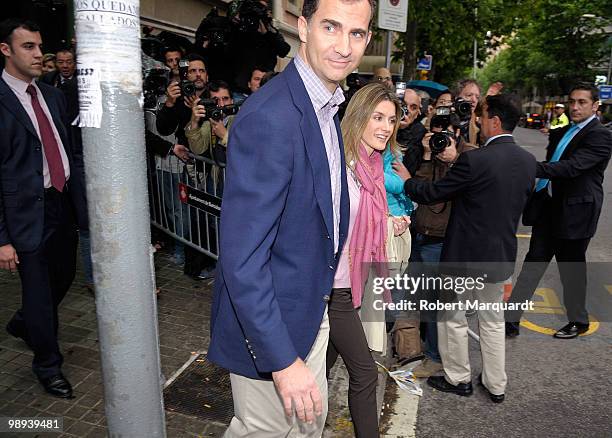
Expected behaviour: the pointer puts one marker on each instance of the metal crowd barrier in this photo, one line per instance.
(185, 200)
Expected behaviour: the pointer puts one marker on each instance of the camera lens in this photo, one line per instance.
(439, 141)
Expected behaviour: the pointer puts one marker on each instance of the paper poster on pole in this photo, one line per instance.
(90, 95)
(118, 57)
(393, 15)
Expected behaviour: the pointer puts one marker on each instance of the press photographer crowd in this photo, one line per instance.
(326, 176)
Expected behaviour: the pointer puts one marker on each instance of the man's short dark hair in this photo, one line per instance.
(218, 84)
(195, 57)
(311, 6)
(171, 49)
(65, 50)
(461, 84)
(587, 87)
(505, 106)
(8, 26)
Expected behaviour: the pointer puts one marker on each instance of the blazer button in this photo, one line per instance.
(331, 267)
(39, 198)
(37, 149)
(326, 298)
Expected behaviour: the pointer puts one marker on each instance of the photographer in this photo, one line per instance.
(254, 41)
(469, 90)
(429, 222)
(175, 113)
(412, 131)
(210, 139)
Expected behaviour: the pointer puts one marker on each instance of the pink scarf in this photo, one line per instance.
(369, 233)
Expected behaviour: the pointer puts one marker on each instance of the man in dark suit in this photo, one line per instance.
(65, 79)
(489, 187)
(41, 191)
(571, 190)
(286, 171)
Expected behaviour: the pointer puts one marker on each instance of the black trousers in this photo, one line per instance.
(346, 338)
(46, 275)
(571, 260)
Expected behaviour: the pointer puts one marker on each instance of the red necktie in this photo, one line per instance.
(52, 152)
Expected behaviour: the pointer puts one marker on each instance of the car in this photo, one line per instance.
(534, 120)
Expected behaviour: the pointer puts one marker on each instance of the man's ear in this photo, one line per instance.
(303, 29)
(5, 49)
(369, 37)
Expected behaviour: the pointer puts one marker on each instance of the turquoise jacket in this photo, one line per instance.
(399, 203)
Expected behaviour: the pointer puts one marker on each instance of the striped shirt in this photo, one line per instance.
(325, 105)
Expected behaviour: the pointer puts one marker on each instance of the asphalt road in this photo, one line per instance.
(556, 388)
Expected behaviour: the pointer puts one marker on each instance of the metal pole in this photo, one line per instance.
(110, 93)
(388, 54)
(609, 81)
(475, 58)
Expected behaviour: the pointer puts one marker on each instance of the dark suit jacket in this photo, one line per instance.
(21, 170)
(489, 187)
(277, 262)
(70, 89)
(576, 180)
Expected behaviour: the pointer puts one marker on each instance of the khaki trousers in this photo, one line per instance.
(258, 408)
(453, 341)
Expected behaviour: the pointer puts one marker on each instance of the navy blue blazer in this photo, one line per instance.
(21, 170)
(277, 261)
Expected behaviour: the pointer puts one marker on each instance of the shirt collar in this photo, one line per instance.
(16, 84)
(585, 122)
(496, 137)
(319, 95)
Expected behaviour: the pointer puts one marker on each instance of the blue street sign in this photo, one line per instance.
(424, 63)
(605, 92)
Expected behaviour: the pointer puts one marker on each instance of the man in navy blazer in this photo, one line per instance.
(41, 196)
(283, 223)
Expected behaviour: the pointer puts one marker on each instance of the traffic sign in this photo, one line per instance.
(605, 92)
(392, 15)
(425, 63)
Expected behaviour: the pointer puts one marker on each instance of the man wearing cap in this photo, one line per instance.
(559, 120)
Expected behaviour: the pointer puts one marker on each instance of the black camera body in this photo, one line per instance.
(215, 112)
(444, 117)
(187, 87)
(154, 85)
(215, 29)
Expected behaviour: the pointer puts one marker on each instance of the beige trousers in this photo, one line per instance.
(258, 409)
(453, 341)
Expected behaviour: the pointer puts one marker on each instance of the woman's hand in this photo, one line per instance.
(400, 224)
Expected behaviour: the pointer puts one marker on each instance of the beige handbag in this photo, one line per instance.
(398, 248)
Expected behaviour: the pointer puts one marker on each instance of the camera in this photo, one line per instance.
(215, 112)
(154, 85)
(251, 13)
(188, 88)
(215, 29)
(440, 141)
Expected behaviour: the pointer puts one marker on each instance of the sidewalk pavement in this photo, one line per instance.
(183, 314)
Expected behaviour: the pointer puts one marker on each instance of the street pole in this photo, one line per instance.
(475, 59)
(388, 54)
(609, 80)
(112, 121)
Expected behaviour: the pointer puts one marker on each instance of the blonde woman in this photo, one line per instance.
(370, 123)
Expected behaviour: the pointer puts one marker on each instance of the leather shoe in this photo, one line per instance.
(571, 330)
(495, 398)
(57, 386)
(512, 329)
(440, 383)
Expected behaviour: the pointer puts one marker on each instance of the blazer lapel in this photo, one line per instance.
(344, 197)
(12, 104)
(577, 138)
(315, 147)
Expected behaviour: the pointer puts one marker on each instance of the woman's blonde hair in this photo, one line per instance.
(357, 116)
(48, 57)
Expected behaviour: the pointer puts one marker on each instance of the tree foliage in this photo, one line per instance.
(548, 44)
